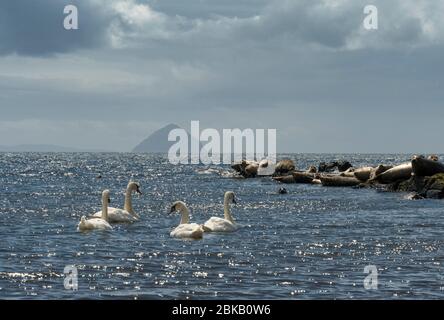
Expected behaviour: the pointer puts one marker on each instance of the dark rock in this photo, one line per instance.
(327, 167)
(435, 182)
(237, 167)
(429, 187)
(414, 184)
(344, 165)
(434, 194)
(332, 166)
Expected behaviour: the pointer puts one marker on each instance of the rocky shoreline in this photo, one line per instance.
(422, 177)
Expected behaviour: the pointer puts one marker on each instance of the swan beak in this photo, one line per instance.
(234, 201)
(109, 200)
(172, 210)
(138, 191)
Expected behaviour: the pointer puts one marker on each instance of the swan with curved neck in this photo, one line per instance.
(127, 214)
(227, 223)
(128, 206)
(185, 229)
(100, 223)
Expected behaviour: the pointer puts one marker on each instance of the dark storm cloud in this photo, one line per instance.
(35, 28)
(306, 68)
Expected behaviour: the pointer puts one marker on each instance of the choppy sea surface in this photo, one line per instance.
(312, 243)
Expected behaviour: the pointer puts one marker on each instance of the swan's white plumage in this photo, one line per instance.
(97, 223)
(185, 229)
(225, 224)
(93, 224)
(189, 230)
(117, 215)
(216, 224)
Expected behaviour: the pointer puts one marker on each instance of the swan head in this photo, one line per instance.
(177, 206)
(230, 197)
(105, 197)
(82, 221)
(134, 187)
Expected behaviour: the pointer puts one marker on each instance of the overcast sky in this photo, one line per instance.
(307, 68)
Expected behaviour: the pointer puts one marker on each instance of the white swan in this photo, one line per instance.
(97, 223)
(185, 229)
(127, 214)
(226, 224)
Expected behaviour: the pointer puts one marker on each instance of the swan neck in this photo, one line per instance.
(128, 201)
(185, 215)
(104, 210)
(227, 211)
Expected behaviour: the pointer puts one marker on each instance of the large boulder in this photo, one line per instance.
(425, 187)
(413, 184)
(434, 187)
(344, 165)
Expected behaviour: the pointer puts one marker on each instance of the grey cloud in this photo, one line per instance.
(306, 69)
(35, 28)
(328, 24)
(339, 24)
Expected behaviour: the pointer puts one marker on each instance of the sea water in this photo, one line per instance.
(312, 243)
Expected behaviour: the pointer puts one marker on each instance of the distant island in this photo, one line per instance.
(41, 148)
(158, 142)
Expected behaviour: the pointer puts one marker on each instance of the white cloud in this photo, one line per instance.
(138, 14)
(333, 24)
